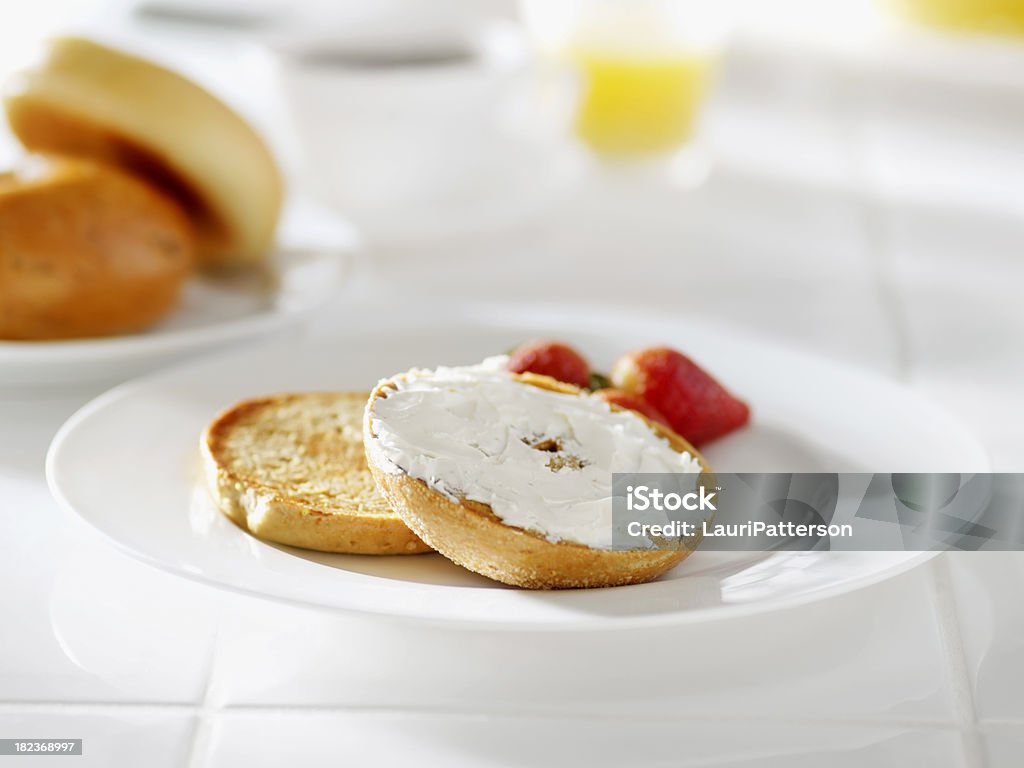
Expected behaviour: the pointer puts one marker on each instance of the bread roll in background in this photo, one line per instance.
(86, 250)
(87, 100)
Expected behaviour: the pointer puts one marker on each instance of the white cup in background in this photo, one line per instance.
(413, 143)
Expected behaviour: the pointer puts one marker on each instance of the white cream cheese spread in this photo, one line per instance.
(542, 460)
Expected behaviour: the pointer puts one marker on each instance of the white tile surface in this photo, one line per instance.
(955, 157)
(870, 655)
(797, 268)
(794, 105)
(957, 275)
(109, 738)
(91, 625)
(958, 278)
(1004, 745)
(994, 417)
(145, 633)
(322, 739)
(987, 589)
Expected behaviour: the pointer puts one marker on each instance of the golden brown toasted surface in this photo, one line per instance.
(86, 250)
(470, 534)
(291, 468)
(85, 99)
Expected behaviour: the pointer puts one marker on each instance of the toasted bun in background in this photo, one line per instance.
(86, 250)
(291, 469)
(470, 534)
(87, 100)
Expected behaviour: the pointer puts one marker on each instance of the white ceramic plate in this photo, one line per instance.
(127, 463)
(304, 271)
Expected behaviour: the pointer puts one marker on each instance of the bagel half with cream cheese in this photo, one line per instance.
(485, 465)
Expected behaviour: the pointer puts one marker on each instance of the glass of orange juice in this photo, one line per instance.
(646, 66)
(989, 16)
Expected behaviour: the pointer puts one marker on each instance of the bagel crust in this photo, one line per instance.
(471, 535)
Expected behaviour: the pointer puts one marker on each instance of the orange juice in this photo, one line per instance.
(636, 104)
(999, 16)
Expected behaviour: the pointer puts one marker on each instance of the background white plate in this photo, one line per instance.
(127, 463)
(305, 270)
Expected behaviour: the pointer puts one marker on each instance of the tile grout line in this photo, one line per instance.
(943, 599)
(964, 705)
(81, 707)
(888, 296)
(517, 713)
(875, 241)
(203, 712)
(277, 710)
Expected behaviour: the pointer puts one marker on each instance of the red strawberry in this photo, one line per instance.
(633, 403)
(696, 406)
(551, 358)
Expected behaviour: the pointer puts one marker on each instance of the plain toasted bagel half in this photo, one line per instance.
(470, 534)
(291, 469)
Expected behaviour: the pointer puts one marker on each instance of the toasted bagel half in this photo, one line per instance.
(290, 469)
